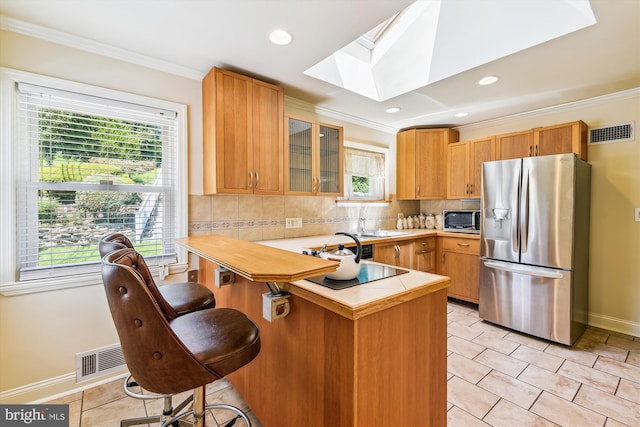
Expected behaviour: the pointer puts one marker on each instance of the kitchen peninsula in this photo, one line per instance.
(370, 355)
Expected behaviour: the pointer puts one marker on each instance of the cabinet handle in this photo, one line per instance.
(418, 191)
(536, 150)
(397, 248)
(467, 188)
(443, 257)
(531, 151)
(470, 189)
(250, 179)
(257, 178)
(424, 252)
(464, 245)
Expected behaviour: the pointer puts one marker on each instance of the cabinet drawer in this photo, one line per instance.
(427, 244)
(454, 244)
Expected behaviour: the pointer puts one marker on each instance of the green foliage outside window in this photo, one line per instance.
(360, 184)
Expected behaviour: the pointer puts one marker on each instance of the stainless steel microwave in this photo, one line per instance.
(462, 221)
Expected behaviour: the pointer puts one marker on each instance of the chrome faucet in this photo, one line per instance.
(362, 223)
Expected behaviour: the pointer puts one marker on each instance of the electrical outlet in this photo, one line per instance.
(637, 214)
(275, 306)
(293, 223)
(192, 276)
(223, 277)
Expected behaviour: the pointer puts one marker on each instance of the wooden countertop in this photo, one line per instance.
(256, 262)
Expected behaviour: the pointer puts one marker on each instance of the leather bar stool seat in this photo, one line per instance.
(183, 297)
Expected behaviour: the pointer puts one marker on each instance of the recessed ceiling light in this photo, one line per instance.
(461, 114)
(392, 109)
(488, 80)
(280, 37)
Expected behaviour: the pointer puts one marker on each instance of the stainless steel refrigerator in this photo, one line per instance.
(534, 265)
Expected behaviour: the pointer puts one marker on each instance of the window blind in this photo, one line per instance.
(90, 166)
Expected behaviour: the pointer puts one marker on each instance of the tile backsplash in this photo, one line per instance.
(253, 217)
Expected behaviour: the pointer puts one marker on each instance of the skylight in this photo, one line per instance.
(434, 39)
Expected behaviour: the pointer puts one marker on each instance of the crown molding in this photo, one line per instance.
(570, 106)
(311, 108)
(69, 40)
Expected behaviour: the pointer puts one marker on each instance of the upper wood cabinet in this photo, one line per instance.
(557, 139)
(464, 167)
(243, 132)
(514, 145)
(563, 138)
(421, 163)
(314, 158)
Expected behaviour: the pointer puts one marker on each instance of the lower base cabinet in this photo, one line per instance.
(459, 258)
(398, 253)
(425, 254)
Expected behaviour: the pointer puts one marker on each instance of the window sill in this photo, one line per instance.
(59, 283)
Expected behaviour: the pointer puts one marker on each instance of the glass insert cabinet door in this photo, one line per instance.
(314, 163)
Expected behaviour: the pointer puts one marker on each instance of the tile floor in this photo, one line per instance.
(496, 378)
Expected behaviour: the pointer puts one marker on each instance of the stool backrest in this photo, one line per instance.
(112, 242)
(156, 357)
(116, 241)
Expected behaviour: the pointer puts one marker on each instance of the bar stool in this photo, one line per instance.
(175, 299)
(169, 356)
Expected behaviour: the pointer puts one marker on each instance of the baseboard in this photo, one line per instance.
(614, 324)
(52, 388)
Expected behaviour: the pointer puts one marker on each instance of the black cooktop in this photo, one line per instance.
(368, 273)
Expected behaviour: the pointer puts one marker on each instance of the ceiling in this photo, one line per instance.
(188, 37)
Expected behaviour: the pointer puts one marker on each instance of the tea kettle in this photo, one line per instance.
(349, 267)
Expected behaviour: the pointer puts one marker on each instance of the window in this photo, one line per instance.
(87, 165)
(365, 172)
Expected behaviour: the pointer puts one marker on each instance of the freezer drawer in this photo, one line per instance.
(533, 300)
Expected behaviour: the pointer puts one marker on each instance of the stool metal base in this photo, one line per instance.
(238, 411)
(167, 412)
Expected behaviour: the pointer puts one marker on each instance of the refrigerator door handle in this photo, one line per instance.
(524, 211)
(520, 269)
(514, 218)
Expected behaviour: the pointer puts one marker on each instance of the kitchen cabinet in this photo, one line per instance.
(563, 138)
(556, 139)
(397, 253)
(464, 167)
(459, 259)
(243, 134)
(421, 163)
(514, 145)
(314, 158)
(425, 254)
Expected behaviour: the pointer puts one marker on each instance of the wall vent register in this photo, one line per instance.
(616, 133)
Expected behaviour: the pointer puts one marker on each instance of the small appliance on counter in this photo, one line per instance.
(462, 221)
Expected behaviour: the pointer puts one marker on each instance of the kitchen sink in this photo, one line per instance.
(382, 233)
